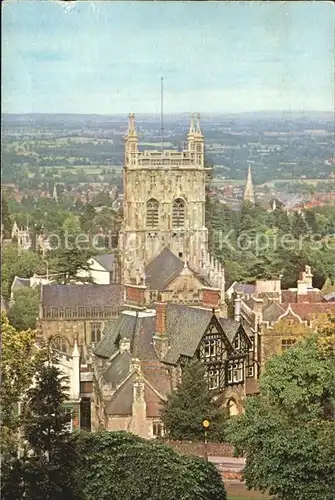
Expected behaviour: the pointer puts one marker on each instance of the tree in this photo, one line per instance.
(285, 432)
(14, 263)
(47, 467)
(120, 465)
(69, 262)
(24, 311)
(19, 362)
(5, 216)
(192, 403)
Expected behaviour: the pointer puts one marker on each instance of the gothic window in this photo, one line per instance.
(68, 312)
(251, 348)
(287, 344)
(250, 371)
(95, 332)
(178, 213)
(213, 379)
(152, 213)
(81, 312)
(54, 312)
(95, 312)
(61, 313)
(108, 312)
(60, 344)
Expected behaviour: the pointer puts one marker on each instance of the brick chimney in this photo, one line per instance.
(134, 296)
(211, 297)
(160, 318)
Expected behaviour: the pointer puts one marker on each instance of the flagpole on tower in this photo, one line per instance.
(162, 122)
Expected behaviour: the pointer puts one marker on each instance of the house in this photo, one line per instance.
(104, 269)
(280, 317)
(141, 356)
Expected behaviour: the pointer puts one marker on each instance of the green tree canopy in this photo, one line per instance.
(120, 465)
(285, 431)
(23, 312)
(192, 403)
(46, 469)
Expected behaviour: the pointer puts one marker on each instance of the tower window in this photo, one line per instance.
(178, 213)
(152, 213)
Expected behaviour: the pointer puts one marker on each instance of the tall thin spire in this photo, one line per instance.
(249, 189)
(54, 194)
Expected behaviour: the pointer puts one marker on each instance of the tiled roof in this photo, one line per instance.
(230, 327)
(272, 312)
(185, 328)
(308, 310)
(127, 325)
(245, 288)
(82, 295)
(106, 260)
(122, 400)
(139, 329)
(118, 368)
(161, 271)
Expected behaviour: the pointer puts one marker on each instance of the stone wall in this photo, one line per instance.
(198, 448)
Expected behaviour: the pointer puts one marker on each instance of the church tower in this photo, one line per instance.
(249, 189)
(164, 206)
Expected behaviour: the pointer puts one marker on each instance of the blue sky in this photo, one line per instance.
(108, 57)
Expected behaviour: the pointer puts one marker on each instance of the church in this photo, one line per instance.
(169, 306)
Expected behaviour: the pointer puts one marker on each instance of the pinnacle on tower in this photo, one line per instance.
(192, 128)
(131, 125)
(249, 189)
(198, 129)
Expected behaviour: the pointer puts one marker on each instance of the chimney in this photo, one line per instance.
(124, 345)
(160, 318)
(211, 298)
(302, 292)
(237, 308)
(134, 296)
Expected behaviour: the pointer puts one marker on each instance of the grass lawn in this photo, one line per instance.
(243, 498)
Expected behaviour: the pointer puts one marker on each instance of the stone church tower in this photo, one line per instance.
(164, 206)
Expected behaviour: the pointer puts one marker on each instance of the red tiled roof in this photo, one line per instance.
(308, 310)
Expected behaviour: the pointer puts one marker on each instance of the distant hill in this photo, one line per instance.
(74, 119)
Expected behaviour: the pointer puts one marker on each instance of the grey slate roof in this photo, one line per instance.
(118, 368)
(106, 260)
(230, 327)
(82, 295)
(272, 312)
(122, 400)
(162, 270)
(185, 328)
(245, 288)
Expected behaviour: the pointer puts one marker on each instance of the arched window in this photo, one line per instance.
(152, 218)
(178, 213)
(60, 344)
